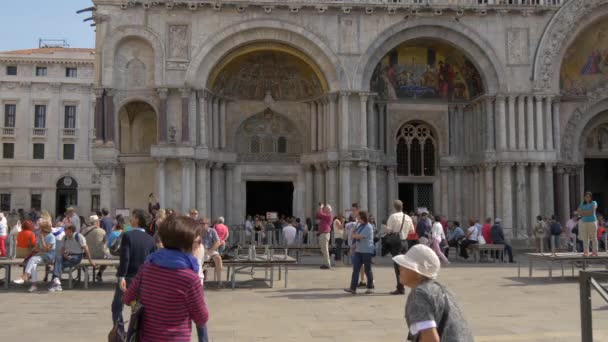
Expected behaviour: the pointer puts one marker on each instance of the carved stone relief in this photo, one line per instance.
(348, 29)
(518, 50)
(178, 42)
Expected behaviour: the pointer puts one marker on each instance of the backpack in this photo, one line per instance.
(556, 228)
(115, 247)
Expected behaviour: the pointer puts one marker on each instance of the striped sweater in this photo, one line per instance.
(172, 298)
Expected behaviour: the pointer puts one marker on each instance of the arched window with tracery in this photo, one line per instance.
(282, 145)
(416, 153)
(254, 145)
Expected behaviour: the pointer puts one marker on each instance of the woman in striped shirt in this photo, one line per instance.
(168, 285)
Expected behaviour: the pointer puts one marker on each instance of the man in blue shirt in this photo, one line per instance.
(455, 234)
(106, 222)
(211, 242)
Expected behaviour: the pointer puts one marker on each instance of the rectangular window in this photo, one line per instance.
(70, 117)
(40, 116)
(41, 71)
(71, 72)
(36, 202)
(10, 113)
(5, 202)
(38, 151)
(8, 151)
(68, 151)
(11, 71)
(95, 203)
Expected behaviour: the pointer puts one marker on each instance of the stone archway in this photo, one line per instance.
(66, 194)
(455, 34)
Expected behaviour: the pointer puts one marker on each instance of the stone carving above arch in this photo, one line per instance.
(211, 52)
(557, 36)
(118, 35)
(476, 48)
(597, 102)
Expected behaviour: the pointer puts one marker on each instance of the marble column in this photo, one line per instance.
(363, 120)
(489, 190)
(373, 190)
(109, 116)
(458, 203)
(319, 111)
(202, 173)
(507, 200)
(530, 132)
(549, 122)
(160, 181)
(215, 131)
(313, 126)
(391, 183)
(345, 200)
(501, 124)
(333, 122)
(332, 183)
(548, 193)
(217, 191)
(444, 191)
(475, 191)
(578, 185)
(310, 206)
(185, 97)
(521, 201)
(521, 123)
(371, 122)
(363, 194)
(534, 195)
(489, 110)
(540, 137)
(229, 188)
(209, 119)
(344, 123)
(186, 165)
(461, 130)
(99, 94)
(162, 115)
(559, 194)
(565, 203)
(556, 125)
(319, 184)
(105, 191)
(202, 119)
(222, 131)
(572, 186)
(511, 120)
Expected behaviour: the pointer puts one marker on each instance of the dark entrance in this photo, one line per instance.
(263, 197)
(416, 195)
(67, 194)
(596, 181)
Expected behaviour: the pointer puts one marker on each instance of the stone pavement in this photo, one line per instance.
(314, 308)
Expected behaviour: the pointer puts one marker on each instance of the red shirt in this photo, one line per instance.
(324, 221)
(600, 232)
(172, 298)
(26, 239)
(222, 231)
(486, 232)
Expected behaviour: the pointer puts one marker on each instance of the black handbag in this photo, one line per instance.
(393, 239)
(137, 314)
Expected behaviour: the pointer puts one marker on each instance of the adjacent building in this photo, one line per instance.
(46, 106)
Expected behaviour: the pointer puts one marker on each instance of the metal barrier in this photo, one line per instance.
(587, 281)
(272, 237)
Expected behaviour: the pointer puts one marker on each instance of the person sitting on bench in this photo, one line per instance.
(74, 247)
(498, 238)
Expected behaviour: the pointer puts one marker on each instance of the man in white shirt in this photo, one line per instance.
(289, 233)
(401, 223)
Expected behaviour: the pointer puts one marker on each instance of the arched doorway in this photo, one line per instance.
(66, 194)
(596, 164)
(138, 133)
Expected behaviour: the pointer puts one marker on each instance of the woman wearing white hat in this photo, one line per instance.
(431, 311)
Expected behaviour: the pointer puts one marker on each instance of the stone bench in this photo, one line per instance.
(477, 249)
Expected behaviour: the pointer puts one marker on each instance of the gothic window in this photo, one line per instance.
(282, 145)
(255, 145)
(416, 153)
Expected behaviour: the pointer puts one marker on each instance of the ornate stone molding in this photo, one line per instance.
(558, 33)
(162, 93)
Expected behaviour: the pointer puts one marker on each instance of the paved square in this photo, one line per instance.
(499, 307)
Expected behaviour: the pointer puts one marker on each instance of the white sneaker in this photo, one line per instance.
(32, 288)
(19, 281)
(56, 281)
(55, 288)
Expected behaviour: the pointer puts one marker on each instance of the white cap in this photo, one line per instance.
(420, 259)
(93, 219)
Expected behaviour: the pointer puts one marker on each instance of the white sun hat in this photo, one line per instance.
(420, 259)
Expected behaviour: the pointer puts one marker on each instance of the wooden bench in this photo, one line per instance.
(477, 249)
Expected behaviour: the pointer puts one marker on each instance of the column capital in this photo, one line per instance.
(344, 95)
(318, 167)
(186, 161)
(332, 164)
(363, 96)
(229, 166)
(489, 166)
(216, 165)
(500, 97)
(521, 164)
(161, 160)
(332, 97)
(443, 169)
(539, 97)
(391, 168)
(363, 164)
(185, 92)
(162, 93)
(202, 163)
(560, 169)
(506, 164)
(549, 166)
(535, 164)
(98, 91)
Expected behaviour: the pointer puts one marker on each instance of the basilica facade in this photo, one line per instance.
(484, 108)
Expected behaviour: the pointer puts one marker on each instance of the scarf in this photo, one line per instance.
(173, 259)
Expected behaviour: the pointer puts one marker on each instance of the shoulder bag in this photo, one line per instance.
(394, 238)
(137, 314)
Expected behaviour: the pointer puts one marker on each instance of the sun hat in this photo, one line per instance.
(497, 220)
(93, 219)
(420, 259)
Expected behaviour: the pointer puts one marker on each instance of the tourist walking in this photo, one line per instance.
(400, 224)
(364, 251)
(168, 285)
(587, 225)
(325, 216)
(540, 232)
(135, 246)
(3, 234)
(106, 222)
(338, 228)
(555, 229)
(431, 311)
(438, 239)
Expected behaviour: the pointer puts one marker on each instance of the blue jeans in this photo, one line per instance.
(202, 333)
(117, 305)
(61, 263)
(362, 259)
